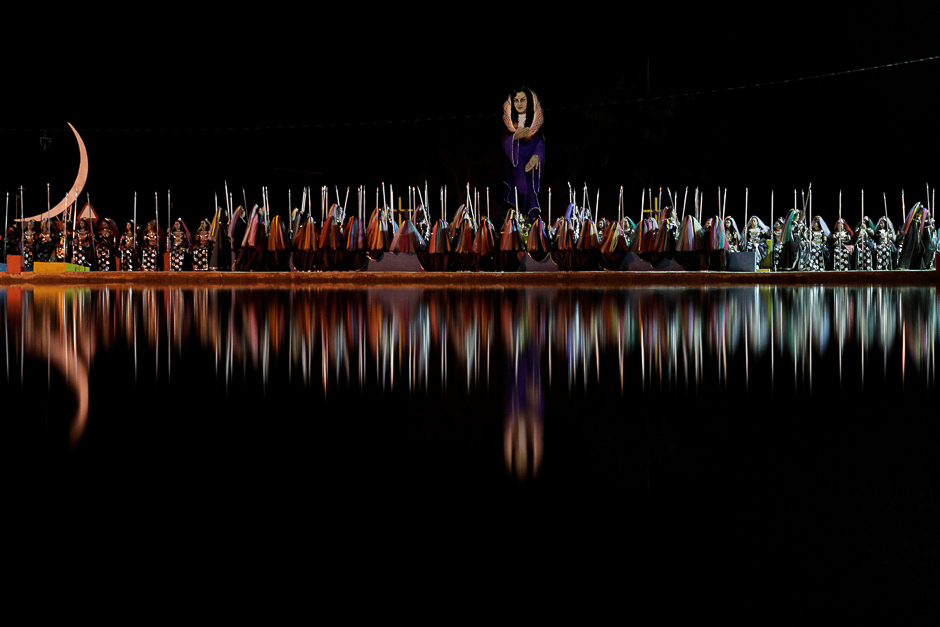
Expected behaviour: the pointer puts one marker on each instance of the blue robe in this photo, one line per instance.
(518, 153)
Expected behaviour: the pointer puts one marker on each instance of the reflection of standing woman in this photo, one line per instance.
(525, 150)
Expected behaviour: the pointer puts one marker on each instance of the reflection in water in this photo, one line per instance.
(631, 341)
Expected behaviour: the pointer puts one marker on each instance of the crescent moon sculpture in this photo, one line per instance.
(77, 187)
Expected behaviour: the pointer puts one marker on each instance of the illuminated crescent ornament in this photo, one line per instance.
(76, 188)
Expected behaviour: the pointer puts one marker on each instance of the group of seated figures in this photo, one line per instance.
(254, 241)
(868, 246)
(99, 245)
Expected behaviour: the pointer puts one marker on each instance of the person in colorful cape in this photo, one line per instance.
(524, 146)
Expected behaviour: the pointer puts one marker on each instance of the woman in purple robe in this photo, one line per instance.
(525, 151)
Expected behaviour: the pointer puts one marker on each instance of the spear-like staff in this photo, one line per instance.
(840, 205)
(685, 197)
(724, 203)
(74, 212)
(22, 220)
(771, 216)
(903, 208)
(597, 202)
(810, 218)
(91, 231)
(476, 199)
(470, 204)
(263, 208)
(549, 206)
(488, 200)
(745, 207)
(423, 204)
(642, 202)
(863, 210)
(585, 202)
(620, 206)
(168, 220)
(6, 217)
(156, 213)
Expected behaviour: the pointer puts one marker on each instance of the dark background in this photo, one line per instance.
(285, 100)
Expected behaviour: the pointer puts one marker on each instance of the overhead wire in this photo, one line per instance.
(688, 94)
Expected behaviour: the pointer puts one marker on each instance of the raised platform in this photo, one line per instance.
(390, 262)
(586, 280)
(47, 267)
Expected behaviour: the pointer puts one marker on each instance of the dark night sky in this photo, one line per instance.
(311, 99)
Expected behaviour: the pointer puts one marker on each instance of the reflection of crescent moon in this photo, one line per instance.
(77, 187)
(73, 370)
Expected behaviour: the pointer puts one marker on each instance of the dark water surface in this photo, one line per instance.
(754, 451)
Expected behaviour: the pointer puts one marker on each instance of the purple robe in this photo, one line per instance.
(518, 152)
